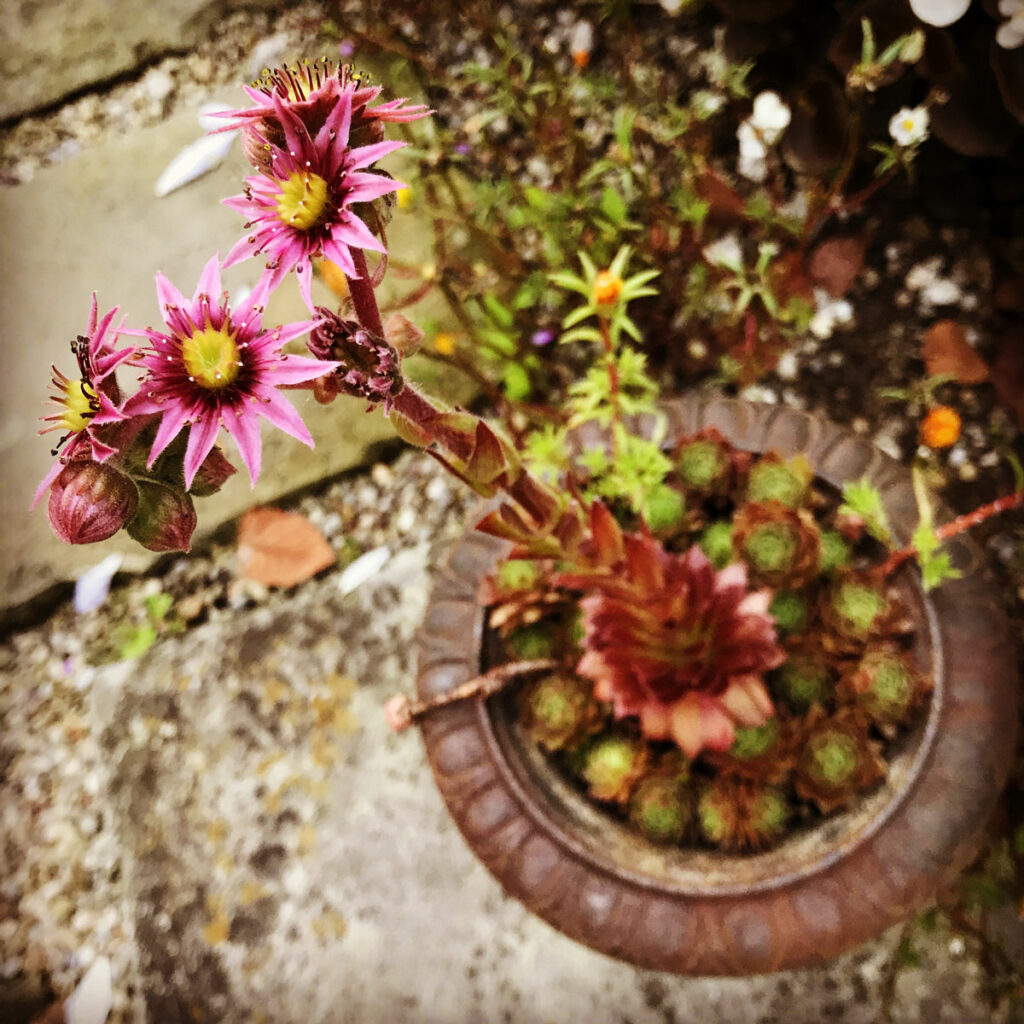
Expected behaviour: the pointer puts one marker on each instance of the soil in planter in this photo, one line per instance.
(850, 687)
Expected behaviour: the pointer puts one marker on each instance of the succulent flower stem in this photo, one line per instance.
(361, 290)
(958, 525)
(402, 710)
(613, 382)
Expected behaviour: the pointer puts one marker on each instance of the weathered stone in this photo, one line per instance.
(49, 49)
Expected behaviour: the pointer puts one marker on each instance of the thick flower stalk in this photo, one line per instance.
(304, 204)
(213, 366)
(676, 643)
(87, 402)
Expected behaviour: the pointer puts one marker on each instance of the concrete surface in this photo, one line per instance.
(229, 820)
(49, 48)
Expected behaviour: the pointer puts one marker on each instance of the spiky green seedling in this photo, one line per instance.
(611, 766)
(660, 809)
(533, 641)
(802, 681)
(771, 547)
(664, 508)
(858, 607)
(789, 609)
(716, 543)
(776, 481)
(558, 710)
(835, 552)
(702, 464)
(768, 815)
(753, 741)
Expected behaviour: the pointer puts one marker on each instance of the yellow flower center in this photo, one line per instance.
(909, 124)
(211, 357)
(302, 200)
(80, 405)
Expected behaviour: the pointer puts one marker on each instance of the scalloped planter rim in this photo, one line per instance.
(820, 892)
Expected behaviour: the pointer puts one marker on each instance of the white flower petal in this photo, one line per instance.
(939, 12)
(91, 1001)
(92, 587)
(363, 568)
(195, 160)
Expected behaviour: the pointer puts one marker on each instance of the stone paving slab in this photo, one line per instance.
(49, 48)
(92, 222)
(284, 859)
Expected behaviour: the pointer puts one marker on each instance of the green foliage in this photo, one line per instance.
(861, 498)
(131, 640)
(628, 468)
(935, 564)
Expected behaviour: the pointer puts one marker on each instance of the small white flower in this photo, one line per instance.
(939, 12)
(752, 146)
(706, 102)
(909, 126)
(771, 117)
(725, 252)
(752, 168)
(672, 6)
(831, 313)
(1010, 34)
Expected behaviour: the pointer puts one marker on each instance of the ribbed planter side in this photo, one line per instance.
(692, 912)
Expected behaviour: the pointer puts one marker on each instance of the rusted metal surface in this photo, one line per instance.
(697, 912)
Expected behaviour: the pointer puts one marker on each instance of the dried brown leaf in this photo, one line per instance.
(835, 264)
(1008, 374)
(945, 349)
(280, 549)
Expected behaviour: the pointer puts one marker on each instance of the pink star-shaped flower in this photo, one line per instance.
(215, 368)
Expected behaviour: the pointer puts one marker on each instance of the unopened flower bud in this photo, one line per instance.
(607, 288)
(166, 517)
(212, 474)
(90, 501)
(402, 334)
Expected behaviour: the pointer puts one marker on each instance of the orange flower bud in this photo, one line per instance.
(941, 427)
(607, 288)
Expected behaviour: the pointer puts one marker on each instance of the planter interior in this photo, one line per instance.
(823, 889)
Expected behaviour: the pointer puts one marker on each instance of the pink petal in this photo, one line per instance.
(243, 249)
(209, 280)
(354, 232)
(168, 295)
(304, 271)
(297, 369)
(201, 437)
(366, 187)
(340, 255)
(245, 429)
(173, 420)
(47, 481)
(366, 155)
(282, 414)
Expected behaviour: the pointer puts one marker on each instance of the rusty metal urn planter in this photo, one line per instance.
(699, 912)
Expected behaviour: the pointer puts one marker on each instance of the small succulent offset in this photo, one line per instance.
(710, 647)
